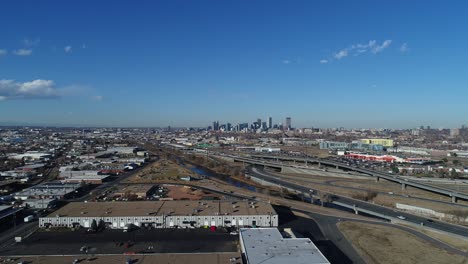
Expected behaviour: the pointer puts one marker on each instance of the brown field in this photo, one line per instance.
(161, 171)
(186, 193)
(450, 240)
(381, 244)
(310, 150)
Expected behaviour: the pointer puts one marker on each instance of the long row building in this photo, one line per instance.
(163, 214)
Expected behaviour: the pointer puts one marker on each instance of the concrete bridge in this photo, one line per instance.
(275, 163)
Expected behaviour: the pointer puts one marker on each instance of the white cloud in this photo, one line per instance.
(341, 54)
(3, 52)
(67, 49)
(23, 52)
(31, 42)
(323, 61)
(357, 49)
(10, 89)
(379, 48)
(404, 47)
(97, 98)
(84, 46)
(286, 61)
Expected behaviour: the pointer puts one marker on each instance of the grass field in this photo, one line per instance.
(386, 245)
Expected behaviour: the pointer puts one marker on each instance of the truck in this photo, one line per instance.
(128, 227)
(28, 218)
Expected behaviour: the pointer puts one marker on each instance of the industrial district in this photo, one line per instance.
(251, 193)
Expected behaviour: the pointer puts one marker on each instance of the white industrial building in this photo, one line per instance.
(268, 246)
(31, 155)
(164, 214)
(39, 203)
(50, 190)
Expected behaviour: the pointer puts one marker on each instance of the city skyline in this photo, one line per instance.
(183, 64)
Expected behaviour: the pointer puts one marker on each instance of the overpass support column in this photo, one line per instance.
(319, 164)
(355, 210)
(377, 178)
(454, 199)
(403, 186)
(337, 167)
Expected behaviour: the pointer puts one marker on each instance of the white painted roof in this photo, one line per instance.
(267, 246)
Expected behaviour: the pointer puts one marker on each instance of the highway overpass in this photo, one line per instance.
(376, 174)
(363, 207)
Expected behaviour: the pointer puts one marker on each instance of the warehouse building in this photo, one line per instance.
(40, 203)
(50, 190)
(268, 246)
(164, 214)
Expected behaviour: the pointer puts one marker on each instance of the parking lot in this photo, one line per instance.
(118, 242)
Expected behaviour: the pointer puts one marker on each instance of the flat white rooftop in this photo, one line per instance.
(267, 246)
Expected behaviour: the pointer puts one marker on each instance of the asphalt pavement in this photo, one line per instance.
(61, 242)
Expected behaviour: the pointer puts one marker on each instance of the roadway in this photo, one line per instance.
(390, 177)
(361, 206)
(332, 183)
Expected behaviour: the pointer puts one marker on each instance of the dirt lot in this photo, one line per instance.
(310, 150)
(381, 244)
(161, 171)
(186, 193)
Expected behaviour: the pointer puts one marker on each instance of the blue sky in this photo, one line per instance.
(187, 63)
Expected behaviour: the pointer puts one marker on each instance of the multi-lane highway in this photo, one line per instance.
(377, 174)
(364, 207)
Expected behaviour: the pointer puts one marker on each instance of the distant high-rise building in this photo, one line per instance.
(270, 122)
(228, 126)
(264, 125)
(216, 125)
(288, 123)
